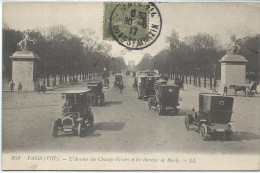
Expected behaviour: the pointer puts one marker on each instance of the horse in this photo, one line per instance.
(238, 88)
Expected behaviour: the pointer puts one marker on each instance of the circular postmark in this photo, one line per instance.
(135, 25)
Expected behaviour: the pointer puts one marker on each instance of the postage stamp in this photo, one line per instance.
(133, 25)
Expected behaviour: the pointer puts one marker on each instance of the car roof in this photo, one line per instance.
(169, 85)
(75, 91)
(118, 74)
(94, 82)
(212, 95)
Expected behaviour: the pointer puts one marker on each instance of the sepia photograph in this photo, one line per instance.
(131, 86)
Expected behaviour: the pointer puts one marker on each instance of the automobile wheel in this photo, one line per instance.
(139, 97)
(203, 131)
(229, 135)
(159, 110)
(55, 129)
(176, 111)
(91, 119)
(80, 129)
(187, 123)
(149, 104)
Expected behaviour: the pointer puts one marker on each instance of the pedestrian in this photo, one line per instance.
(108, 82)
(43, 87)
(121, 86)
(182, 84)
(20, 88)
(215, 84)
(225, 90)
(12, 84)
(53, 83)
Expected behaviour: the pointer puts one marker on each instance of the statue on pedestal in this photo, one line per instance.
(233, 49)
(24, 44)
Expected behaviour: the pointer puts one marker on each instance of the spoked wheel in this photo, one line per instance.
(149, 104)
(159, 110)
(187, 123)
(91, 119)
(139, 97)
(102, 101)
(55, 129)
(203, 132)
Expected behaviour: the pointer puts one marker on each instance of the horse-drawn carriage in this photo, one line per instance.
(249, 91)
(213, 117)
(76, 113)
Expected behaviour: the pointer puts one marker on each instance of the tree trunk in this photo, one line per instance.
(190, 78)
(205, 80)
(210, 82)
(48, 80)
(60, 79)
(194, 81)
(199, 82)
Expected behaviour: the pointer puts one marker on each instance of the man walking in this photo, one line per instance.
(20, 88)
(225, 90)
(12, 84)
(121, 86)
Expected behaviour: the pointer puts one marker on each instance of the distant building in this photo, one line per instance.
(131, 65)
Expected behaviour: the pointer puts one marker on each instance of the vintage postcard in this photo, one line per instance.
(130, 86)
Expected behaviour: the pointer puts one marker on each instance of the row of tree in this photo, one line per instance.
(199, 55)
(62, 53)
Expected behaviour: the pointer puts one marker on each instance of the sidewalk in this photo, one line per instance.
(202, 89)
(5, 89)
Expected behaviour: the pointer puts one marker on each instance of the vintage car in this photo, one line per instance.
(166, 98)
(134, 73)
(118, 79)
(141, 86)
(145, 85)
(97, 93)
(213, 117)
(76, 113)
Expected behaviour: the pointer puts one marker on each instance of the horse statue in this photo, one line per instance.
(238, 88)
(24, 44)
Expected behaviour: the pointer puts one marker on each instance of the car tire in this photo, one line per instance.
(204, 132)
(80, 129)
(91, 119)
(159, 110)
(176, 111)
(55, 130)
(229, 135)
(187, 122)
(149, 104)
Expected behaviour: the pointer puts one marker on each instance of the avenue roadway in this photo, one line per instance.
(123, 124)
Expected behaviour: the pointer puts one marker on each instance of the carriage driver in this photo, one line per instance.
(194, 114)
(66, 106)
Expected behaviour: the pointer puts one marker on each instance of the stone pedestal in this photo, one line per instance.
(24, 69)
(233, 72)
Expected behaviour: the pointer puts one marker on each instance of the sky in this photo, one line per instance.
(223, 19)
